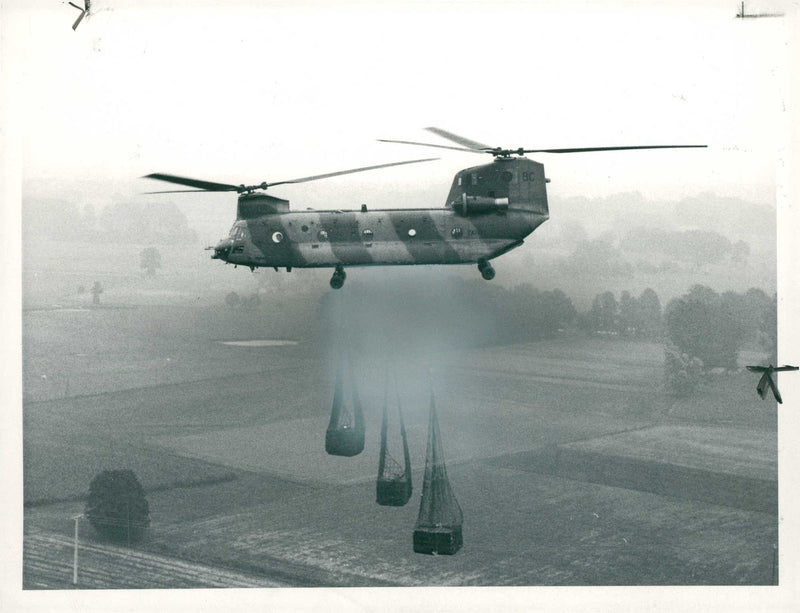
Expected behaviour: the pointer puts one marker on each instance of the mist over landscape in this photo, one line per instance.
(590, 409)
(617, 243)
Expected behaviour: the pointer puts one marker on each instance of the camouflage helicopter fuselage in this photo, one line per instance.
(490, 210)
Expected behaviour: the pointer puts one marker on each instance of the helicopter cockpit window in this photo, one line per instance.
(322, 235)
(456, 232)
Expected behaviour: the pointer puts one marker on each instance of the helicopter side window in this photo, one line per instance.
(456, 232)
(322, 235)
(474, 179)
(367, 235)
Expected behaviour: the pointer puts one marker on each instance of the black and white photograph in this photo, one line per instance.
(445, 305)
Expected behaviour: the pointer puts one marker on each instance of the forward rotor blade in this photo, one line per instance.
(756, 368)
(408, 142)
(785, 368)
(76, 6)
(585, 149)
(206, 186)
(460, 140)
(347, 172)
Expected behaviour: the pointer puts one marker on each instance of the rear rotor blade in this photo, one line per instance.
(177, 191)
(206, 186)
(460, 140)
(476, 147)
(352, 170)
(408, 142)
(585, 149)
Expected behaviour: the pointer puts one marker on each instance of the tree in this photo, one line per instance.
(232, 299)
(705, 325)
(97, 289)
(535, 314)
(117, 507)
(156, 223)
(150, 258)
(768, 329)
(649, 309)
(596, 258)
(628, 321)
(604, 314)
(682, 373)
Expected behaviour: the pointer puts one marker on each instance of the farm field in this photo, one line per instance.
(105, 564)
(228, 442)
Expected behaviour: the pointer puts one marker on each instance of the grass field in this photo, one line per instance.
(228, 442)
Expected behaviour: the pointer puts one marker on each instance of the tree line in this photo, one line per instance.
(120, 222)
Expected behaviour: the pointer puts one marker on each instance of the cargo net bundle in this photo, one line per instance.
(438, 528)
(393, 487)
(346, 428)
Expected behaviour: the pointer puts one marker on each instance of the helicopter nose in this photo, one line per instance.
(222, 250)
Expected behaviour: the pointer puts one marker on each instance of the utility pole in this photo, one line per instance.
(77, 519)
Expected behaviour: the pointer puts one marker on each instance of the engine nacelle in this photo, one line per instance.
(481, 205)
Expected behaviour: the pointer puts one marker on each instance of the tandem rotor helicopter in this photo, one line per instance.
(489, 211)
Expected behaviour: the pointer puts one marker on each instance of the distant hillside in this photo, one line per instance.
(119, 222)
(624, 242)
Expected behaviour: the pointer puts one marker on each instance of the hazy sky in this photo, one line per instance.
(251, 91)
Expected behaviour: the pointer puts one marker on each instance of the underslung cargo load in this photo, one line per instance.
(345, 433)
(394, 486)
(438, 528)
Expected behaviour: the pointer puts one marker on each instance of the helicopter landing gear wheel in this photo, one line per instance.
(339, 275)
(486, 270)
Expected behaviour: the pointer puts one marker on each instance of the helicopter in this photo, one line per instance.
(767, 382)
(742, 15)
(489, 211)
(84, 12)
